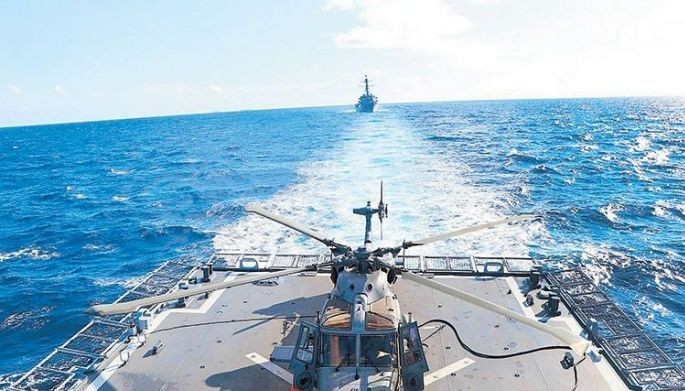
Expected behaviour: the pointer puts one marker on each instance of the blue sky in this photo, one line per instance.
(83, 60)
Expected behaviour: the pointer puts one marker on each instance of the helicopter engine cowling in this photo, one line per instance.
(349, 284)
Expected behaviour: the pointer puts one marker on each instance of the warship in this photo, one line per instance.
(367, 101)
(365, 318)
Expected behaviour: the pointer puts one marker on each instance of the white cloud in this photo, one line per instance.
(402, 24)
(443, 49)
(59, 90)
(13, 90)
(344, 5)
(431, 30)
(216, 89)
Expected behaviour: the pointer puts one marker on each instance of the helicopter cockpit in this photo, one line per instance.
(372, 327)
(357, 340)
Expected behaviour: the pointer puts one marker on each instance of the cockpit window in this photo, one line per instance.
(411, 346)
(337, 314)
(375, 321)
(378, 351)
(338, 350)
(381, 315)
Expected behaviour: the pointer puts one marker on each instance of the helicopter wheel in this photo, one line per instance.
(304, 381)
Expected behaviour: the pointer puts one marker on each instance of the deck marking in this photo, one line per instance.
(271, 367)
(446, 371)
(112, 367)
(117, 362)
(209, 302)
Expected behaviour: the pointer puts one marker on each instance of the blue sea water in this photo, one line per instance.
(86, 209)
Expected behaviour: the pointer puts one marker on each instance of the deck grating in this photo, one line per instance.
(62, 369)
(639, 361)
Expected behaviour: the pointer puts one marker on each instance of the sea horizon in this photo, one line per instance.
(351, 105)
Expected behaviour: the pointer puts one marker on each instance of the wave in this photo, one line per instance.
(119, 198)
(114, 171)
(76, 196)
(544, 169)
(657, 158)
(660, 209)
(444, 138)
(599, 262)
(514, 154)
(36, 253)
(126, 283)
(188, 233)
(185, 162)
(225, 209)
(641, 144)
(680, 209)
(31, 319)
(586, 148)
(99, 248)
(611, 211)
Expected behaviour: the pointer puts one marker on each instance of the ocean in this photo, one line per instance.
(86, 209)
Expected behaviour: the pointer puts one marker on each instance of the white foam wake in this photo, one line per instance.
(426, 193)
(36, 253)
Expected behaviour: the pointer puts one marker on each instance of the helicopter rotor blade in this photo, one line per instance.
(296, 226)
(575, 342)
(464, 231)
(381, 211)
(132, 306)
(381, 192)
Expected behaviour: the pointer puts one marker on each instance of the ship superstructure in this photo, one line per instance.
(367, 101)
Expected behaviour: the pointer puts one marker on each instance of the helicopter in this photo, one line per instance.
(360, 339)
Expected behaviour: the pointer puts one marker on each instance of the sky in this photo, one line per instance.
(67, 61)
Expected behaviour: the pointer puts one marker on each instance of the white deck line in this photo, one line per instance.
(603, 366)
(446, 371)
(117, 362)
(428, 379)
(271, 367)
(113, 365)
(209, 302)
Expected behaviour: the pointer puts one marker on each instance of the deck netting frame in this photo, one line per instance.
(64, 367)
(636, 358)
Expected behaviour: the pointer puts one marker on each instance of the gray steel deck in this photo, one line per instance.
(211, 350)
(224, 342)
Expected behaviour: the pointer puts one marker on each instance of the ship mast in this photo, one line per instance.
(366, 85)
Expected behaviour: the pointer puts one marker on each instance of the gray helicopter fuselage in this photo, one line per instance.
(374, 317)
(356, 335)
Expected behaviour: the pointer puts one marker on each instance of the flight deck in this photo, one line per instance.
(242, 338)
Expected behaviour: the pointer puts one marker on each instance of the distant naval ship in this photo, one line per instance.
(367, 102)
